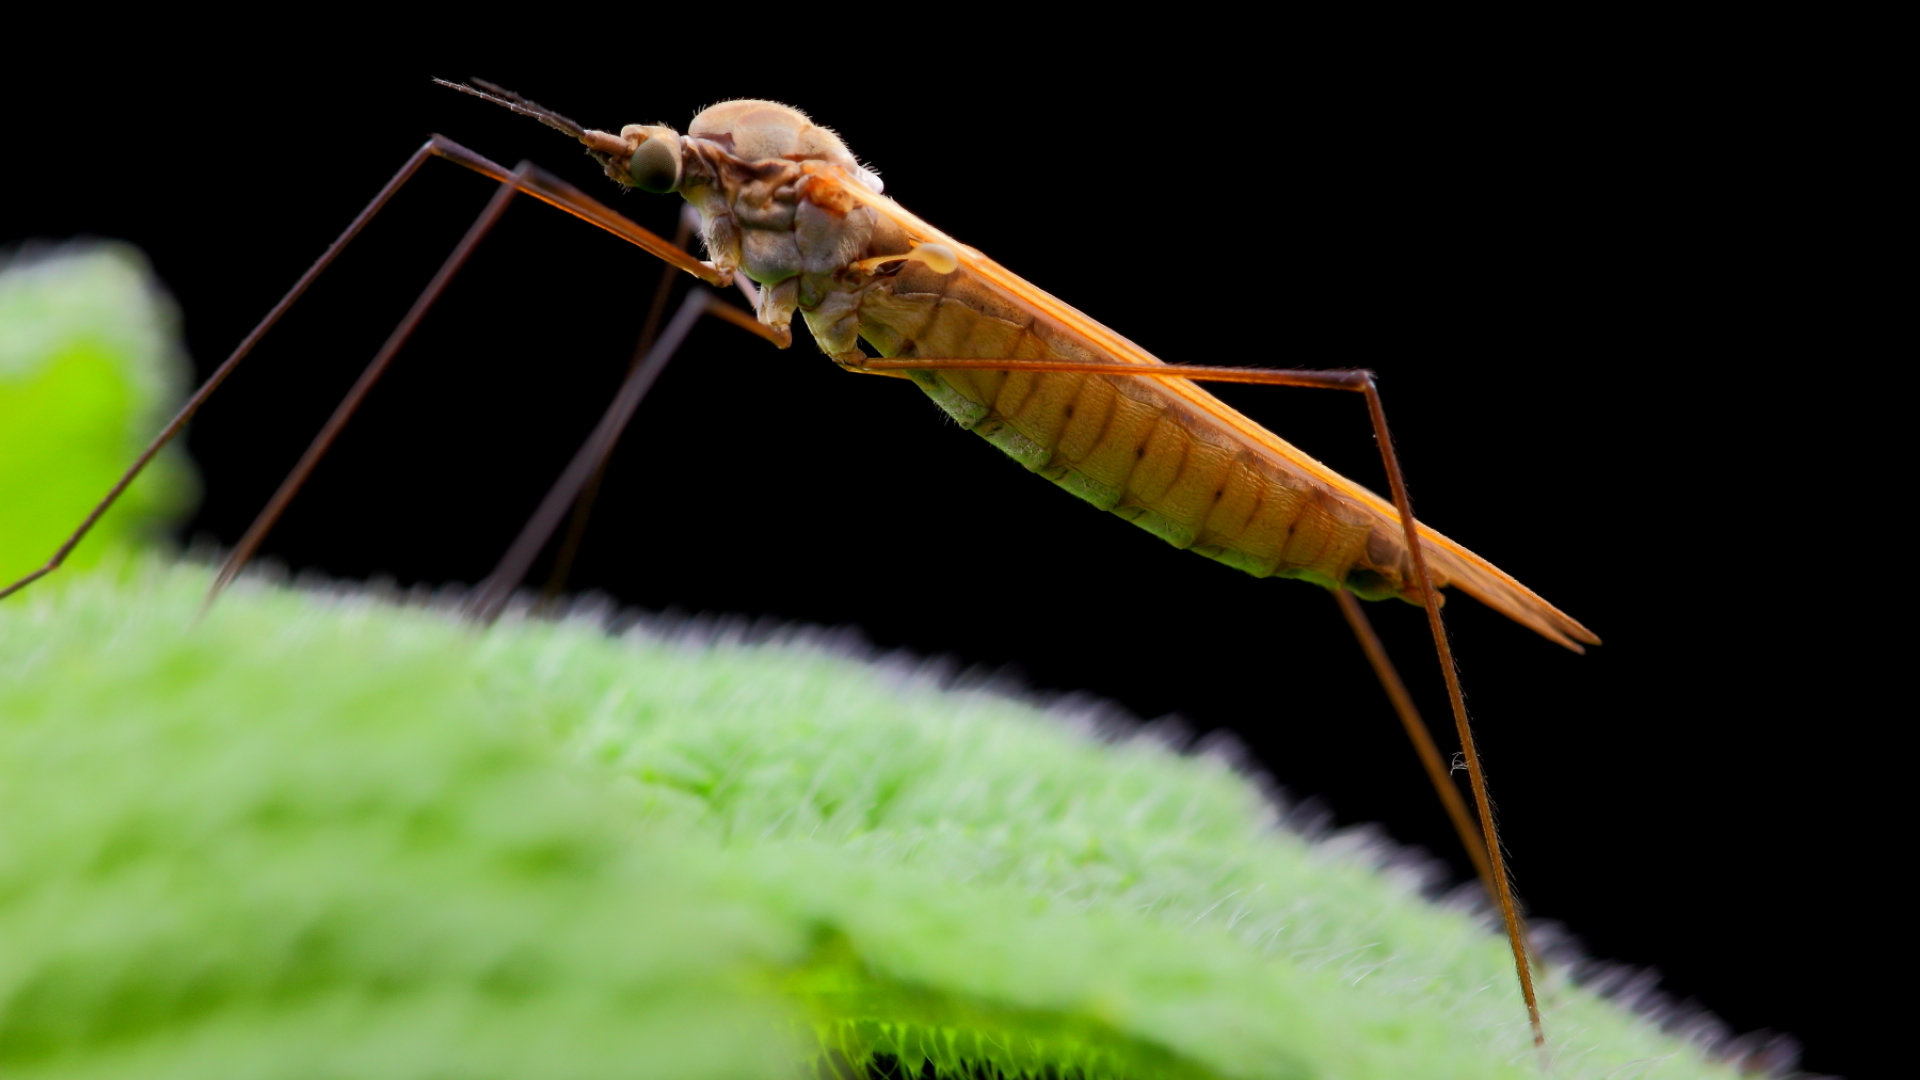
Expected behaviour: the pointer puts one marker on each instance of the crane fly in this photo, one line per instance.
(789, 216)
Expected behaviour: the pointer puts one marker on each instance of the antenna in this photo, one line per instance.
(507, 99)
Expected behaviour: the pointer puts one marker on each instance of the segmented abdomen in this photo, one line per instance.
(1126, 444)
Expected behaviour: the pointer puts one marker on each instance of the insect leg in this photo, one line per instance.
(583, 506)
(1417, 733)
(1476, 774)
(541, 185)
(528, 178)
(1438, 773)
(226, 368)
(492, 595)
(264, 521)
(1361, 382)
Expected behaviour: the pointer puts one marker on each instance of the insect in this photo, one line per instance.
(936, 241)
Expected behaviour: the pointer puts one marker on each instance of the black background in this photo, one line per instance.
(1556, 257)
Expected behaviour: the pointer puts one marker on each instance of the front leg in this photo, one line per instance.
(778, 303)
(718, 231)
(835, 322)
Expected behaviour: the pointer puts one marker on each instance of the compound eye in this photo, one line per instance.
(655, 167)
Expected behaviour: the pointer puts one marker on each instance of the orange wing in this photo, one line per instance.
(1450, 563)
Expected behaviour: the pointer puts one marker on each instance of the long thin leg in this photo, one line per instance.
(269, 515)
(1422, 739)
(523, 176)
(529, 179)
(225, 369)
(1363, 382)
(583, 506)
(491, 597)
(1476, 773)
(563, 196)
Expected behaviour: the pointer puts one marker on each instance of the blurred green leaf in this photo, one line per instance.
(90, 368)
(318, 835)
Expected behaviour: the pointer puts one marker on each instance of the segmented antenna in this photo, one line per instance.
(507, 99)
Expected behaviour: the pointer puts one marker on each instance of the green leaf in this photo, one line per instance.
(89, 371)
(325, 835)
